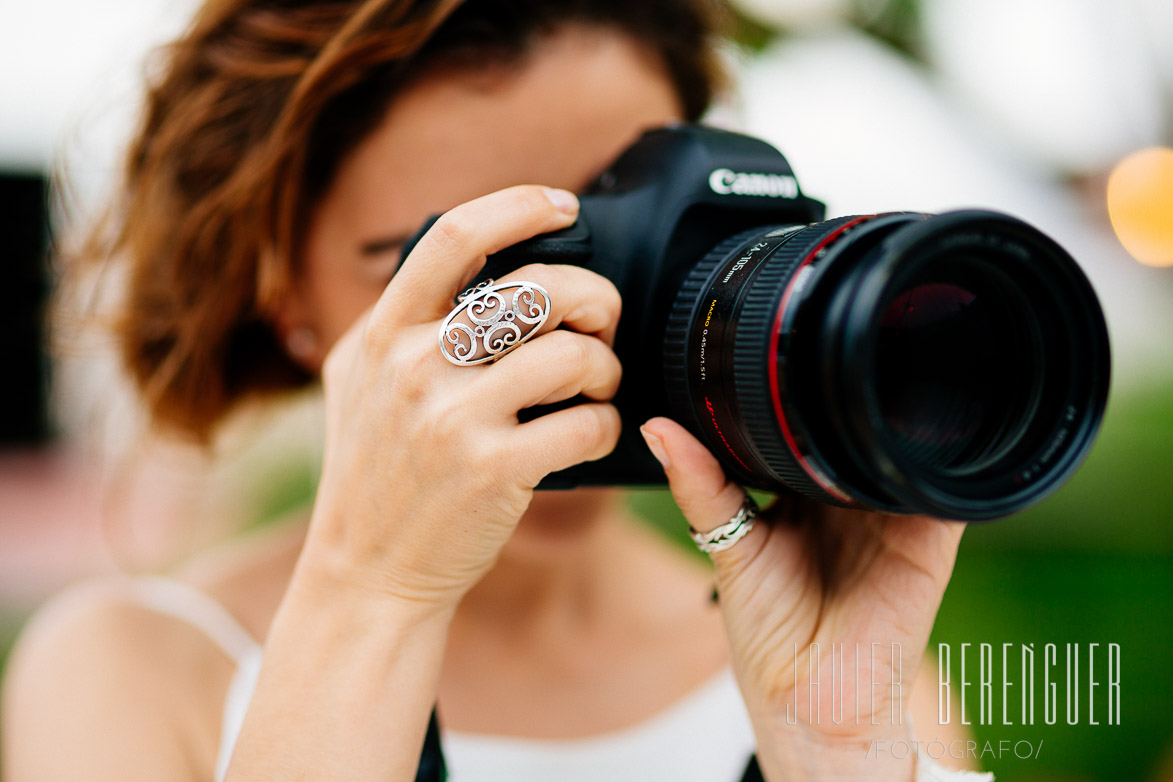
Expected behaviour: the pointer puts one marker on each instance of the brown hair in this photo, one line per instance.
(233, 152)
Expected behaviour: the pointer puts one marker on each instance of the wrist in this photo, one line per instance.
(327, 582)
(343, 561)
(803, 752)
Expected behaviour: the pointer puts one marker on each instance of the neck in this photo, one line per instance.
(557, 567)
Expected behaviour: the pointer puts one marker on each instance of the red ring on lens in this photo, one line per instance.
(815, 474)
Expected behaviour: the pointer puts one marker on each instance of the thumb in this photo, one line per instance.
(706, 497)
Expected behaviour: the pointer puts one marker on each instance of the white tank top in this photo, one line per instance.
(704, 737)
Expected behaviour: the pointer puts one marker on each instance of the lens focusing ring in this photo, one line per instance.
(756, 321)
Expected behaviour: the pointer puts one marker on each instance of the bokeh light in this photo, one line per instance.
(1140, 205)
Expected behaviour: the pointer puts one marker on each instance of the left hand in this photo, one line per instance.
(811, 574)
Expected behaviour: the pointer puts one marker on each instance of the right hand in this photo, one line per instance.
(426, 469)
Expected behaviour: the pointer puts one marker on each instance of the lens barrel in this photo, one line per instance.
(955, 365)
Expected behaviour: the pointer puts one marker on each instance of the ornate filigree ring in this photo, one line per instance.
(491, 320)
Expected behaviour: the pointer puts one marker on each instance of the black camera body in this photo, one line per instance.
(666, 202)
(955, 365)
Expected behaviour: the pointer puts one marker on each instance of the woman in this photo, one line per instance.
(287, 150)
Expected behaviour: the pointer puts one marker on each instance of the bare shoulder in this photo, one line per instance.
(249, 576)
(102, 681)
(100, 686)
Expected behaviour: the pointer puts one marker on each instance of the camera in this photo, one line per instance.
(954, 365)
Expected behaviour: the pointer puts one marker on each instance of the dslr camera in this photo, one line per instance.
(954, 365)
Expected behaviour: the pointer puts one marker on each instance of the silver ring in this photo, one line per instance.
(728, 533)
(491, 320)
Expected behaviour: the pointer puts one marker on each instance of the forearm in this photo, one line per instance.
(346, 689)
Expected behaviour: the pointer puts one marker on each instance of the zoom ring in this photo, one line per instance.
(680, 318)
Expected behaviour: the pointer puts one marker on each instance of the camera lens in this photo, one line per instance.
(954, 372)
(954, 365)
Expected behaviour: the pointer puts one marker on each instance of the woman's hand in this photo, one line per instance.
(426, 469)
(813, 574)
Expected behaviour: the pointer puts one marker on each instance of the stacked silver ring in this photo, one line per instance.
(728, 533)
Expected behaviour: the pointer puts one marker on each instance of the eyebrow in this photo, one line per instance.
(383, 245)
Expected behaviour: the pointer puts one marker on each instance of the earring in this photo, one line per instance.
(301, 343)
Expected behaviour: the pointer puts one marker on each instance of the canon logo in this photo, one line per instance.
(723, 181)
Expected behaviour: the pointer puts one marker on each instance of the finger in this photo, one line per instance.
(706, 497)
(551, 368)
(454, 249)
(580, 299)
(564, 438)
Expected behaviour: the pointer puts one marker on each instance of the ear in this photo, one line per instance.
(297, 333)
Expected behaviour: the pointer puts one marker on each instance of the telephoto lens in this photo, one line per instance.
(954, 365)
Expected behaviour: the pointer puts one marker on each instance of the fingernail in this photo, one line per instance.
(563, 200)
(656, 446)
